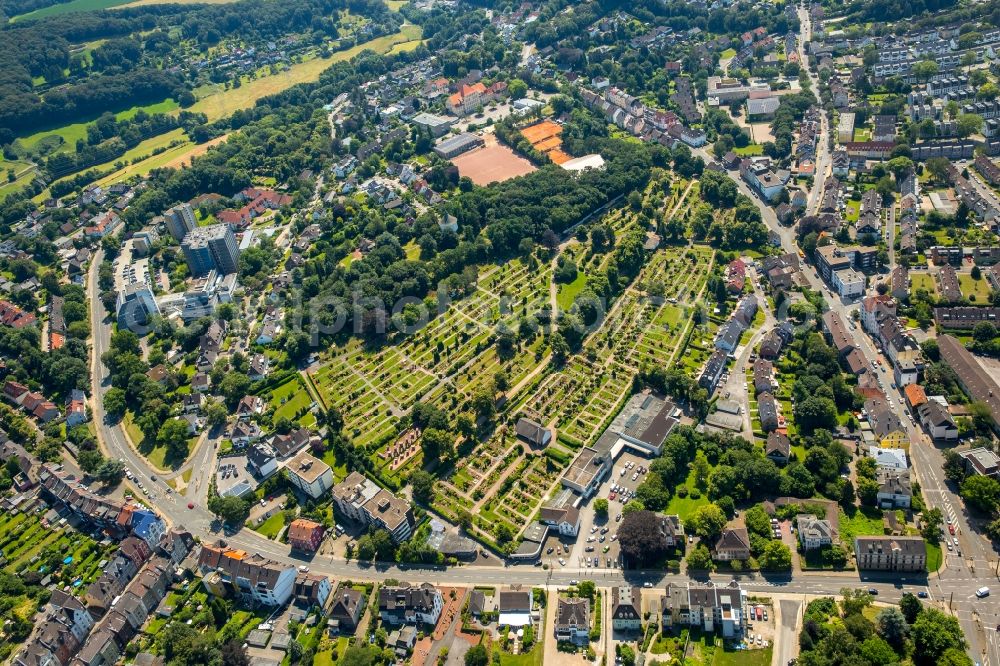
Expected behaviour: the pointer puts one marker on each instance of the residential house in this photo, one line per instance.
(767, 412)
(250, 575)
(573, 620)
(704, 606)
(515, 606)
(894, 488)
(778, 448)
(938, 421)
(888, 458)
(671, 530)
(626, 608)
(347, 608)
(895, 553)
(305, 535)
(361, 500)
(814, 532)
(310, 474)
(763, 376)
(408, 604)
(249, 406)
(311, 589)
(915, 395)
(732, 544)
(261, 460)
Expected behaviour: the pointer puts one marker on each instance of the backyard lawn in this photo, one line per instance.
(727, 657)
(530, 658)
(290, 400)
(977, 291)
(866, 521)
(922, 281)
(685, 506)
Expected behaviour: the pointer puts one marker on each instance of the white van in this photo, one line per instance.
(983, 592)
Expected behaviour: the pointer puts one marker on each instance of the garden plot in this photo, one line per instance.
(473, 476)
(367, 415)
(28, 544)
(700, 347)
(685, 277)
(517, 498)
(598, 398)
(553, 392)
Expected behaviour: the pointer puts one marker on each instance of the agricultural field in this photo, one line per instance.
(218, 103)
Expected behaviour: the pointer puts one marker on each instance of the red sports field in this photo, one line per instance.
(491, 164)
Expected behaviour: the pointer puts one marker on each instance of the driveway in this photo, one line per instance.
(786, 644)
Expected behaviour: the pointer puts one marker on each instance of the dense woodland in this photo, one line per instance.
(130, 71)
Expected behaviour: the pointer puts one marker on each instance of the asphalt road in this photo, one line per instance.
(786, 640)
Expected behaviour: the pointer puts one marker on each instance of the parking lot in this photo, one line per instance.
(598, 536)
(760, 624)
(232, 471)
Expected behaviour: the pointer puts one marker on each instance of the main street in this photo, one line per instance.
(962, 575)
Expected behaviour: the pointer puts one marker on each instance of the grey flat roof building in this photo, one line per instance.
(458, 144)
(211, 247)
(438, 125)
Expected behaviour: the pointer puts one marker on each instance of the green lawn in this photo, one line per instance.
(412, 250)
(865, 521)
(728, 53)
(934, 556)
(922, 281)
(145, 148)
(156, 455)
(325, 657)
(272, 526)
(296, 398)
(568, 292)
(751, 150)
(757, 657)
(685, 506)
(977, 291)
(166, 106)
(530, 658)
(67, 7)
(20, 181)
(853, 211)
(73, 131)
